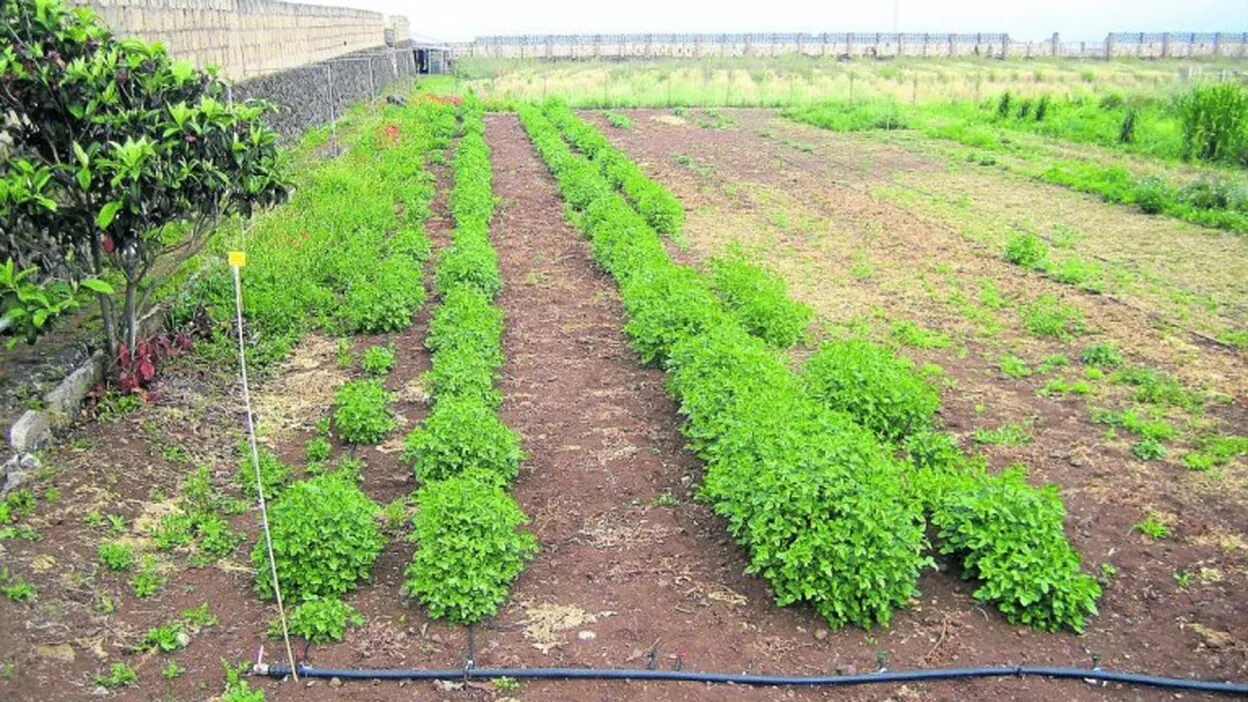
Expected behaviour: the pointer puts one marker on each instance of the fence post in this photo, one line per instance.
(1165, 45)
(901, 49)
(953, 51)
(1191, 45)
(1005, 46)
(926, 38)
(1109, 46)
(1056, 41)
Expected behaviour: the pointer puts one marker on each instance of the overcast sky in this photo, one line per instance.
(455, 20)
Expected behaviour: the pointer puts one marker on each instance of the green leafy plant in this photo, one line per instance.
(1215, 451)
(1010, 537)
(119, 675)
(759, 299)
(459, 434)
(325, 539)
(1153, 527)
(1149, 449)
(377, 360)
(880, 390)
(470, 547)
(362, 413)
(1026, 250)
(274, 475)
(172, 670)
(618, 120)
(317, 449)
(910, 334)
(319, 620)
(1048, 316)
(1013, 366)
(15, 587)
(236, 688)
(166, 638)
(1104, 355)
(147, 581)
(116, 555)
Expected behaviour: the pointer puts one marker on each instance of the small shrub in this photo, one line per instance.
(317, 449)
(879, 389)
(319, 620)
(1153, 527)
(1048, 316)
(1010, 536)
(1013, 366)
(1126, 130)
(759, 300)
(1004, 105)
(619, 121)
(274, 475)
(469, 549)
(1026, 250)
(377, 360)
(362, 413)
(1149, 449)
(1105, 355)
(325, 539)
(462, 433)
(119, 675)
(1042, 107)
(1153, 194)
(116, 555)
(147, 581)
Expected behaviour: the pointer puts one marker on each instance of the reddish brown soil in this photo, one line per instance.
(660, 576)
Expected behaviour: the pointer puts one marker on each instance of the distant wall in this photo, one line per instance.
(246, 38)
(623, 46)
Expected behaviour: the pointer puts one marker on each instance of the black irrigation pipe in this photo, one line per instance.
(884, 676)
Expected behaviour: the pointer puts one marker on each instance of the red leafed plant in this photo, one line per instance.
(392, 134)
(137, 366)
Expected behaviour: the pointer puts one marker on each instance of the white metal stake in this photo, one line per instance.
(236, 261)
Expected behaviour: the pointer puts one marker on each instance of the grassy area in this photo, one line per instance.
(787, 80)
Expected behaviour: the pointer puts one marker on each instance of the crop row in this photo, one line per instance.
(754, 296)
(470, 547)
(656, 203)
(828, 512)
(367, 206)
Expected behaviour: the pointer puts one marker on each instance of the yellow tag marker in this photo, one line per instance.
(238, 258)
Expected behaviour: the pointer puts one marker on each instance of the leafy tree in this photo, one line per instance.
(120, 160)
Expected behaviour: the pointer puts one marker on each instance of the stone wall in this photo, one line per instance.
(317, 93)
(311, 60)
(246, 38)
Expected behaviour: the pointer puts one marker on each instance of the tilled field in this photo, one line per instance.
(632, 571)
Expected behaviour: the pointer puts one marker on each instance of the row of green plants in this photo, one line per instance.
(345, 254)
(353, 240)
(655, 202)
(467, 528)
(755, 296)
(828, 512)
